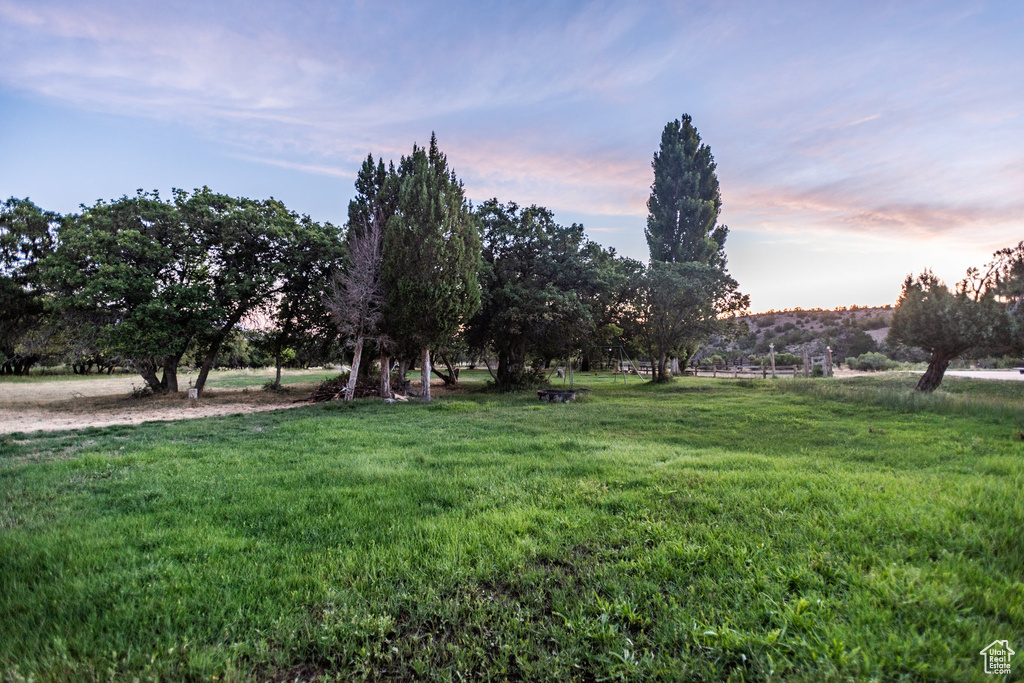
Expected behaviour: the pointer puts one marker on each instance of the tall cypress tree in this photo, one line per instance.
(431, 255)
(685, 200)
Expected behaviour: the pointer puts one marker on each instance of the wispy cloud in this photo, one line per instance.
(870, 119)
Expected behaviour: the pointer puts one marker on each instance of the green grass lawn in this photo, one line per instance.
(704, 530)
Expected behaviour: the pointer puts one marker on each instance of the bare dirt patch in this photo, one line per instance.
(75, 404)
(103, 401)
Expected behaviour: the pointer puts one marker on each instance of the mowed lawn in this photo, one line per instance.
(706, 530)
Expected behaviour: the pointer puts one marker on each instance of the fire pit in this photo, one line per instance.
(557, 395)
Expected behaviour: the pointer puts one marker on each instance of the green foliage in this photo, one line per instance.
(686, 295)
(651, 533)
(946, 324)
(677, 306)
(26, 333)
(300, 323)
(787, 359)
(1008, 274)
(148, 277)
(132, 274)
(431, 252)
(685, 200)
(541, 288)
(871, 361)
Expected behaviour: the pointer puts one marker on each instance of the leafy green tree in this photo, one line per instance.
(947, 323)
(149, 278)
(131, 276)
(540, 282)
(676, 306)
(431, 255)
(254, 249)
(685, 200)
(26, 236)
(1008, 276)
(298, 316)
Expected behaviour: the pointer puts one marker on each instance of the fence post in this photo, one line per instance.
(807, 364)
(828, 361)
(771, 349)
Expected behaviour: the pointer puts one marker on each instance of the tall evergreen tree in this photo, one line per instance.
(686, 294)
(357, 296)
(431, 255)
(685, 200)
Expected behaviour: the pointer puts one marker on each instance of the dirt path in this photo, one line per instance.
(100, 402)
(57, 404)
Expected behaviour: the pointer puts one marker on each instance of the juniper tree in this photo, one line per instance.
(431, 255)
(947, 323)
(542, 284)
(356, 299)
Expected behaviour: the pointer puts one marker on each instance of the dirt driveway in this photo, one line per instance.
(57, 404)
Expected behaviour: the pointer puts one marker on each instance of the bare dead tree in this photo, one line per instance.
(356, 297)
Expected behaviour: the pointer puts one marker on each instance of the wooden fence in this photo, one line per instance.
(734, 371)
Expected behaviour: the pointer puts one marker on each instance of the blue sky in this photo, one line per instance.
(855, 142)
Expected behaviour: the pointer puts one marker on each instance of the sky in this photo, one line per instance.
(855, 142)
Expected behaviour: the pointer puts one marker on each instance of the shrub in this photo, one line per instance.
(871, 361)
(788, 359)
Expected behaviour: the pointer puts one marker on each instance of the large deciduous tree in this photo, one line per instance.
(676, 306)
(539, 282)
(254, 250)
(299, 318)
(26, 236)
(431, 256)
(148, 277)
(132, 277)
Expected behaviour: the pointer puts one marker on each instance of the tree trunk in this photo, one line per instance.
(932, 377)
(278, 361)
(511, 368)
(403, 370)
(487, 363)
(385, 376)
(170, 379)
(211, 354)
(425, 375)
(452, 378)
(675, 366)
(353, 375)
(662, 362)
(148, 372)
